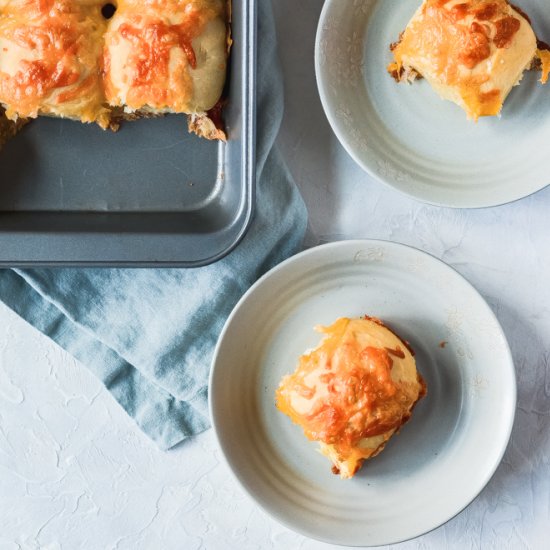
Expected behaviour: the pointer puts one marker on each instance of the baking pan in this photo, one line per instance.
(150, 194)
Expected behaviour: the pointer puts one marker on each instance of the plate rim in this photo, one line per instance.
(320, 249)
(322, 88)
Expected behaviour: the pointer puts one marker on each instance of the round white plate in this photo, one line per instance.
(442, 457)
(405, 135)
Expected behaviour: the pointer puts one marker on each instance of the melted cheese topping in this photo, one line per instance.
(353, 392)
(63, 58)
(544, 56)
(50, 59)
(166, 56)
(472, 52)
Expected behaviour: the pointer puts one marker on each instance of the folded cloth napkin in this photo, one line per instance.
(149, 334)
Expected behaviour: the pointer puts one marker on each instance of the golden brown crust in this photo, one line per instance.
(9, 128)
(57, 60)
(472, 52)
(353, 392)
(166, 55)
(209, 125)
(408, 74)
(50, 63)
(204, 127)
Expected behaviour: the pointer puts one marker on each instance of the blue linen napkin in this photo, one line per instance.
(149, 334)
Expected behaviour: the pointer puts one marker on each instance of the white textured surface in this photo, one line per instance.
(76, 474)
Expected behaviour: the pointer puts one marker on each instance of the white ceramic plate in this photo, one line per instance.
(443, 456)
(410, 139)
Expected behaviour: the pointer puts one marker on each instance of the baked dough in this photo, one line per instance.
(63, 58)
(472, 52)
(166, 55)
(50, 62)
(353, 392)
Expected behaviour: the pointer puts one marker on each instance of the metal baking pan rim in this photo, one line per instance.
(248, 173)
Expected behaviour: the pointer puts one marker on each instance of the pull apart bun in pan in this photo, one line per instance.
(51, 59)
(166, 56)
(64, 58)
